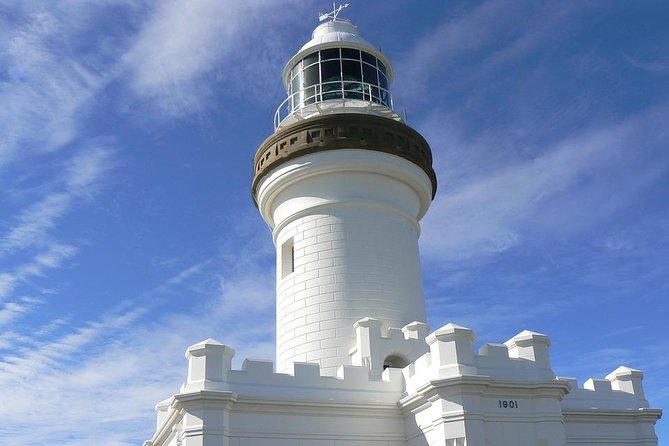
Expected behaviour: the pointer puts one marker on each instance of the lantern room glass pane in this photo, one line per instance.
(353, 90)
(309, 59)
(382, 67)
(385, 98)
(383, 82)
(332, 90)
(310, 95)
(350, 53)
(375, 94)
(369, 74)
(332, 53)
(296, 83)
(334, 94)
(310, 76)
(351, 70)
(366, 57)
(330, 71)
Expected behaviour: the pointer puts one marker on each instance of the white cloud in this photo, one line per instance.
(84, 170)
(12, 310)
(31, 227)
(476, 36)
(33, 223)
(122, 364)
(572, 186)
(50, 258)
(183, 40)
(186, 48)
(45, 88)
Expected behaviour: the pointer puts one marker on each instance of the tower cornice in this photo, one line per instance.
(342, 131)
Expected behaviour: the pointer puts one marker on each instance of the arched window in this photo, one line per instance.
(395, 361)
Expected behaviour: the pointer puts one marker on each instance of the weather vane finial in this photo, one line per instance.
(332, 15)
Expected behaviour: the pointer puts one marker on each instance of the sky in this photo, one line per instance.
(128, 233)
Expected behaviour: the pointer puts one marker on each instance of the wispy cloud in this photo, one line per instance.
(124, 362)
(43, 88)
(12, 310)
(52, 257)
(185, 50)
(31, 226)
(487, 36)
(573, 185)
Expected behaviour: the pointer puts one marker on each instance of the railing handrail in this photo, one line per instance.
(286, 108)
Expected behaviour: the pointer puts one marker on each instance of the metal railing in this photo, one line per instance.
(343, 91)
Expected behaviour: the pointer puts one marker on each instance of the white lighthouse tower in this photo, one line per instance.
(343, 183)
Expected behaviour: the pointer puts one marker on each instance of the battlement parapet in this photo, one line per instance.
(352, 383)
(210, 373)
(620, 389)
(378, 347)
(524, 357)
(209, 368)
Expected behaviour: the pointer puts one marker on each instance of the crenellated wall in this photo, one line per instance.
(507, 394)
(256, 406)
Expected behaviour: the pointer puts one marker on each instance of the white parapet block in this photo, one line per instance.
(208, 364)
(531, 346)
(627, 380)
(416, 330)
(452, 350)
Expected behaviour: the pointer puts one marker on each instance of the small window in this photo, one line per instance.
(287, 257)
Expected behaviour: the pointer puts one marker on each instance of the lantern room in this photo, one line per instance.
(336, 71)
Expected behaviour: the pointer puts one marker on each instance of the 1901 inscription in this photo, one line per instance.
(508, 404)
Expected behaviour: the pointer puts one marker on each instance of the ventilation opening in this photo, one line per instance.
(395, 361)
(287, 257)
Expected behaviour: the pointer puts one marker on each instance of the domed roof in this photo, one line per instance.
(335, 31)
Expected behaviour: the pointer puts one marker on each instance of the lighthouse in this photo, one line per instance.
(342, 183)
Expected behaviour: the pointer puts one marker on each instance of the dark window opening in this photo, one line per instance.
(395, 361)
(287, 257)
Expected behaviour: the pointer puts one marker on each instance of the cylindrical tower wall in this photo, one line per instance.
(346, 234)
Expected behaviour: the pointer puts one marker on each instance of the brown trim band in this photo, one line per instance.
(343, 131)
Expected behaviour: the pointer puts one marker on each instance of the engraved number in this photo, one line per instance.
(508, 404)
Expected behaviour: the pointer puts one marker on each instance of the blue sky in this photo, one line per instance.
(127, 230)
